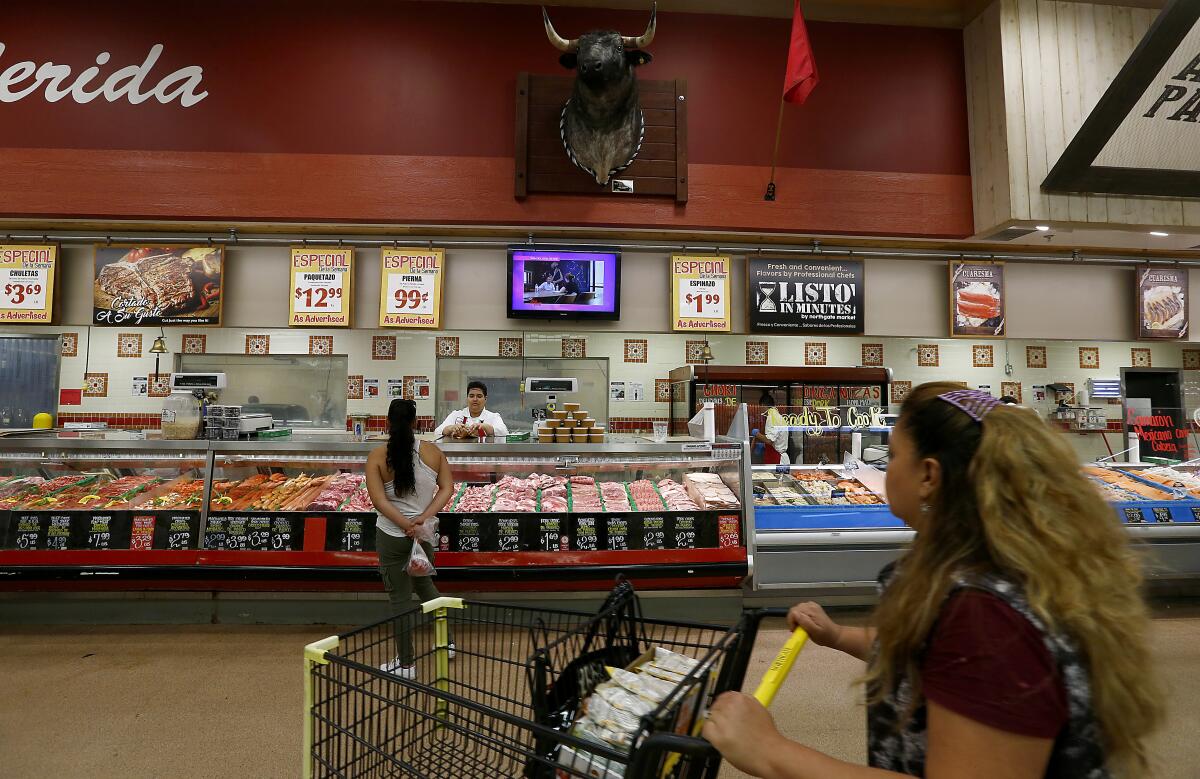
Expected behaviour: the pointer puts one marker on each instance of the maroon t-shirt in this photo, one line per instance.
(987, 662)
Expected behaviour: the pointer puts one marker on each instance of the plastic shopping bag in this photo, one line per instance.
(419, 563)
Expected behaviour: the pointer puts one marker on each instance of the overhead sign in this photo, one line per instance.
(1162, 303)
(805, 296)
(27, 278)
(158, 285)
(1143, 136)
(321, 291)
(976, 299)
(700, 293)
(411, 288)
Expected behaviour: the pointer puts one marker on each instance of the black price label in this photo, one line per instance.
(237, 536)
(654, 532)
(509, 534)
(1134, 516)
(216, 535)
(618, 534)
(468, 534)
(1196, 514)
(58, 535)
(587, 539)
(352, 535)
(100, 532)
(550, 535)
(179, 534)
(29, 533)
(258, 533)
(685, 532)
(281, 534)
(1162, 514)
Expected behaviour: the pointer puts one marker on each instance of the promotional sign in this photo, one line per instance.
(411, 288)
(805, 296)
(158, 285)
(976, 299)
(1162, 303)
(322, 287)
(700, 293)
(27, 278)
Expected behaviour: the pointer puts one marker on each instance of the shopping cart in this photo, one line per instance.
(499, 701)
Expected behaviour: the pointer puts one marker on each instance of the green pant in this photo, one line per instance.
(393, 560)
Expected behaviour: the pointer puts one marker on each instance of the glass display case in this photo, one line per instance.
(533, 516)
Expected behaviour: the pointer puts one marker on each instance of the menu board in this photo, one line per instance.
(1162, 303)
(321, 291)
(410, 292)
(700, 293)
(27, 279)
(976, 299)
(158, 285)
(805, 296)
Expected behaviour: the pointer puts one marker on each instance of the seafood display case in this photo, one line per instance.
(266, 514)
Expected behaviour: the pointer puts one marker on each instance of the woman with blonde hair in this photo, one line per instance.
(1011, 638)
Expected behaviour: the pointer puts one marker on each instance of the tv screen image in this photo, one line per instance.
(570, 283)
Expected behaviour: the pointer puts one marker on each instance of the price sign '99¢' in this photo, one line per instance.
(411, 287)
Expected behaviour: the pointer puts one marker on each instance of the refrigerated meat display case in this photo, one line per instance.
(113, 512)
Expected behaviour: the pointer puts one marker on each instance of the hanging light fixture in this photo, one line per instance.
(706, 354)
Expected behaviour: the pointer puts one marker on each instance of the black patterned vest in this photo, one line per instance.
(1078, 751)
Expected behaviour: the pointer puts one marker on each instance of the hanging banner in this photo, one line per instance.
(805, 296)
(976, 299)
(411, 289)
(700, 293)
(322, 287)
(27, 278)
(158, 285)
(1162, 303)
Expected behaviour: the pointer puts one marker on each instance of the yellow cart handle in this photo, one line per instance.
(781, 666)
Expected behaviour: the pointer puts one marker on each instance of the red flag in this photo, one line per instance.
(801, 75)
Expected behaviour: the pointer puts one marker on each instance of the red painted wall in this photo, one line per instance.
(337, 91)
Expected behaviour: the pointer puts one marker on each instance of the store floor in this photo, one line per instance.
(217, 701)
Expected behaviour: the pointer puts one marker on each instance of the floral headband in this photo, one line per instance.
(975, 403)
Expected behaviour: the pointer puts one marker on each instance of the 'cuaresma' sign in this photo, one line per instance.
(135, 83)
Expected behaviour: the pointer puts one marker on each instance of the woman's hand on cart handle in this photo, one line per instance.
(743, 731)
(820, 628)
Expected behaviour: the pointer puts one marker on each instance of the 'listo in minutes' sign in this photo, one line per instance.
(411, 289)
(1162, 303)
(322, 287)
(27, 277)
(805, 296)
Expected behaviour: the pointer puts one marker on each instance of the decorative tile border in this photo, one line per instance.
(1140, 358)
(662, 390)
(129, 344)
(510, 347)
(816, 353)
(927, 356)
(354, 387)
(383, 347)
(320, 344)
(637, 350)
(1191, 359)
(379, 424)
(258, 345)
(1011, 389)
(693, 352)
(159, 385)
(446, 346)
(195, 343)
(757, 352)
(900, 390)
(1035, 357)
(69, 345)
(872, 355)
(1089, 358)
(116, 421)
(633, 424)
(983, 356)
(574, 347)
(95, 385)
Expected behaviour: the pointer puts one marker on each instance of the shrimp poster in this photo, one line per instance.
(976, 299)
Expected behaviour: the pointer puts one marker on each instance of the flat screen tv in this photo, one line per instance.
(578, 282)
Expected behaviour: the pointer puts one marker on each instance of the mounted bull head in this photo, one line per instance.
(601, 124)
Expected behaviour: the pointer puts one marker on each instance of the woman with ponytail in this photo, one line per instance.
(409, 482)
(1010, 639)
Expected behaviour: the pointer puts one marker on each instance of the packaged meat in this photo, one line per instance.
(710, 492)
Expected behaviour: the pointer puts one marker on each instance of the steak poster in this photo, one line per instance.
(158, 285)
(1162, 303)
(805, 296)
(977, 299)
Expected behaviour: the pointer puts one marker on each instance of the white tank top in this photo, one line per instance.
(412, 503)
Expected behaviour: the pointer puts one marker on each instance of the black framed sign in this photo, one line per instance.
(814, 296)
(1142, 137)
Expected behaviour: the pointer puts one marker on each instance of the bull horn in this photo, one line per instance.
(560, 43)
(643, 40)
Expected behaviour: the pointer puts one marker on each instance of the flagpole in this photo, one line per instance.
(770, 194)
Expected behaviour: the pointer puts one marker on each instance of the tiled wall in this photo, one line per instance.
(103, 361)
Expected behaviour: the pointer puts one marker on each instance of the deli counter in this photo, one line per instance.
(111, 511)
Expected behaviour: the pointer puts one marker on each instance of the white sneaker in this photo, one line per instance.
(450, 648)
(397, 668)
